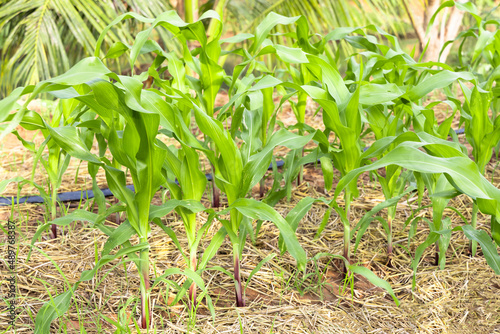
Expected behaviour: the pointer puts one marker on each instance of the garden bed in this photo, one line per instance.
(462, 298)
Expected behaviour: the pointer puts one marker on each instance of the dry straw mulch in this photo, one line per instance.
(462, 298)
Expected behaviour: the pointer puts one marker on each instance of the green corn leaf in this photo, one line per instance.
(114, 22)
(324, 222)
(238, 38)
(68, 139)
(371, 94)
(252, 132)
(215, 243)
(213, 75)
(116, 50)
(172, 236)
(5, 183)
(439, 80)
(117, 184)
(159, 211)
(431, 239)
(265, 27)
(258, 210)
(327, 168)
(89, 274)
(86, 70)
(462, 172)
(192, 180)
(487, 245)
(291, 55)
(296, 214)
(375, 280)
(257, 166)
(231, 156)
(330, 76)
(10, 102)
(31, 121)
(51, 310)
(120, 235)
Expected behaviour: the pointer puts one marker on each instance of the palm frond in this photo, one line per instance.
(324, 15)
(43, 38)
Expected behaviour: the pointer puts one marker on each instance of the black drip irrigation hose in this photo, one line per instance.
(72, 196)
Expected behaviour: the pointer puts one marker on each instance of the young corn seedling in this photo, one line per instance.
(482, 133)
(134, 147)
(485, 58)
(184, 164)
(440, 190)
(145, 157)
(341, 115)
(440, 156)
(236, 174)
(384, 120)
(57, 161)
(440, 193)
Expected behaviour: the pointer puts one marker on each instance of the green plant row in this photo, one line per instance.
(142, 126)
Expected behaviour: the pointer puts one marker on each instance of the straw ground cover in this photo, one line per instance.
(462, 298)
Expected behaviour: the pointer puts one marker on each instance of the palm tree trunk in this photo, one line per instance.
(445, 27)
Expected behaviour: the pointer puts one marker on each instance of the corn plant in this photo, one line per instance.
(135, 147)
(341, 115)
(439, 189)
(440, 156)
(191, 186)
(392, 67)
(235, 175)
(385, 120)
(440, 192)
(57, 161)
(482, 133)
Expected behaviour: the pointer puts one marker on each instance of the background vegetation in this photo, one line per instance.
(40, 39)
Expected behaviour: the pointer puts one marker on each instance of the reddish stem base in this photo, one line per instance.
(53, 231)
(144, 321)
(240, 301)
